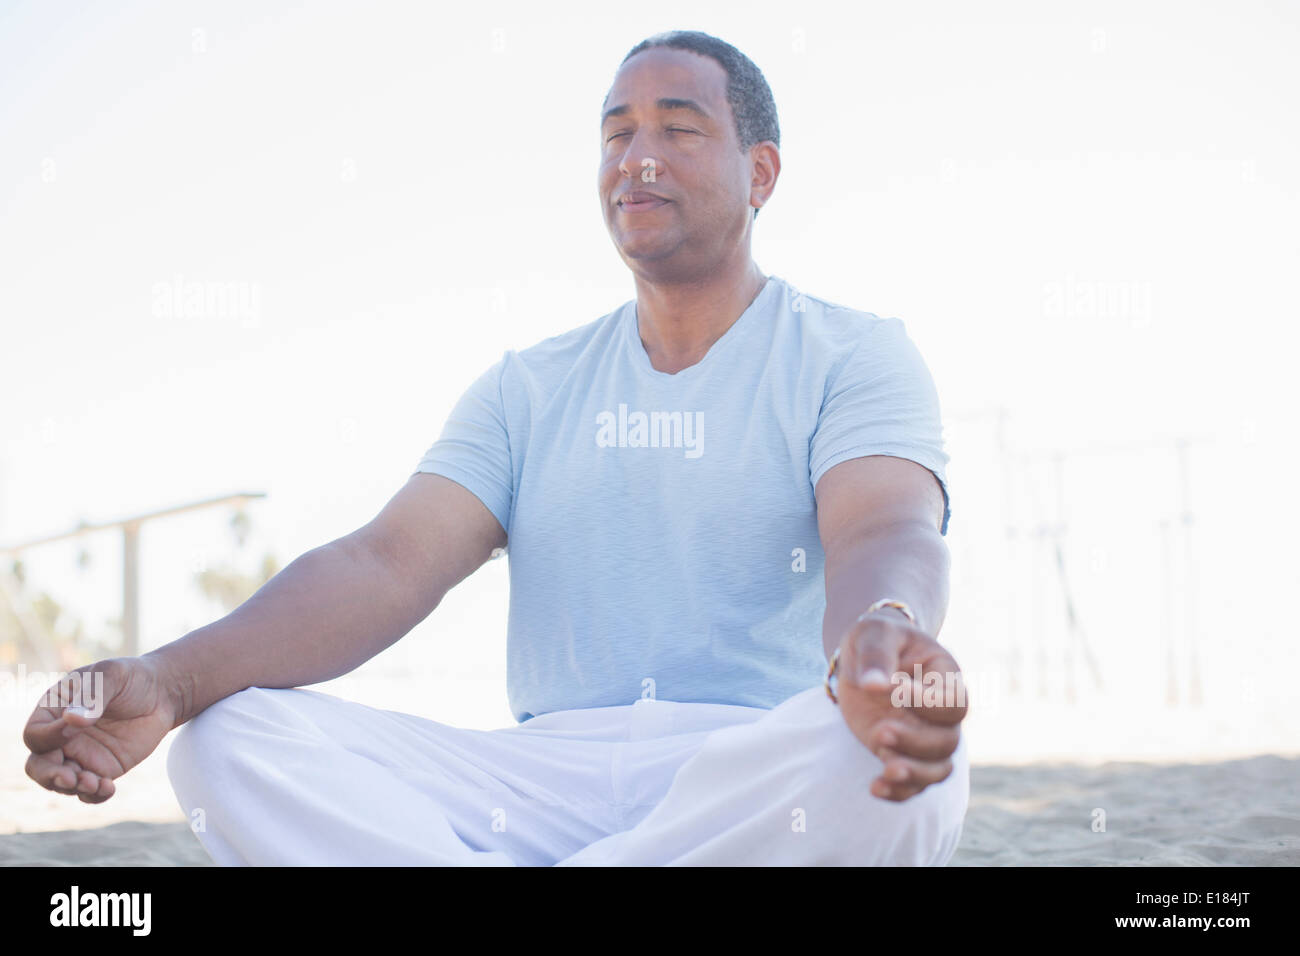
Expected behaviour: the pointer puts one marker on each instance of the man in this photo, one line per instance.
(689, 487)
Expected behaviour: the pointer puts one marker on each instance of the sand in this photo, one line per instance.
(1242, 812)
(119, 844)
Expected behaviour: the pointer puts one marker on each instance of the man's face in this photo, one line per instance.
(668, 132)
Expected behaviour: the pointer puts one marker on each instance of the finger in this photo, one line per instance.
(56, 719)
(79, 716)
(47, 731)
(106, 791)
(44, 731)
(940, 695)
(940, 699)
(76, 721)
(904, 777)
(895, 792)
(58, 773)
(87, 782)
(52, 772)
(68, 777)
(915, 739)
(93, 788)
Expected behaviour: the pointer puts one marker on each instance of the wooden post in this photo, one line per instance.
(130, 556)
(130, 590)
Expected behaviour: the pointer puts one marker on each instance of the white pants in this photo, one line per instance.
(301, 778)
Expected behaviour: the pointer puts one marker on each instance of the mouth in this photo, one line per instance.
(640, 202)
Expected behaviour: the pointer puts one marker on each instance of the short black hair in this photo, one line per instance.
(748, 94)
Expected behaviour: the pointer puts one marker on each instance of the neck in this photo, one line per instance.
(679, 321)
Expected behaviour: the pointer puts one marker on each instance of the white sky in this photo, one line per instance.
(408, 190)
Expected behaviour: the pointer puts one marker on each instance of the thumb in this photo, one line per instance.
(873, 655)
(78, 716)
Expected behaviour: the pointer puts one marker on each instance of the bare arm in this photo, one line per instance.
(881, 539)
(340, 604)
(879, 518)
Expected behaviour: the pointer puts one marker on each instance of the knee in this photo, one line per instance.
(207, 741)
(922, 830)
(210, 724)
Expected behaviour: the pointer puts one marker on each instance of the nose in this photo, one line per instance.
(638, 159)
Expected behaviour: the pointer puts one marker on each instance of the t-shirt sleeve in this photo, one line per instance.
(882, 401)
(474, 447)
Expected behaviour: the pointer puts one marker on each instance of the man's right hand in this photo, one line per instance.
(83, 753)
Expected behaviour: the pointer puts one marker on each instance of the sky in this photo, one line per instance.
(1084, 215)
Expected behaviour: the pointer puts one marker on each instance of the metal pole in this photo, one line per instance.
(1058, 530)
(1037, 616)
(1013, 652)
(1189, 582)
(1171, 657)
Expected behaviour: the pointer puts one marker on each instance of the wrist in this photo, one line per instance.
(889, 606)
(891, 612)
(884, 606)
(176, 685)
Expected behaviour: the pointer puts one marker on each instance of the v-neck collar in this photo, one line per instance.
(640, 358)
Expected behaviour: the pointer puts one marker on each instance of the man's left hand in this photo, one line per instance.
(913, 728)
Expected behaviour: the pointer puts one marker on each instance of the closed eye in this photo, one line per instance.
(671, 129)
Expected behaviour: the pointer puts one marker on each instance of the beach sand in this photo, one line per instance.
(1243, 812)
(1235, 812)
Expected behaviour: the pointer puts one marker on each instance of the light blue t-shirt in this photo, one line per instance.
(662, 529)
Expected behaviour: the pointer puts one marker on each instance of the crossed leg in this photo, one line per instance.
(295, 777)
(791, 788)
(298, 777)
